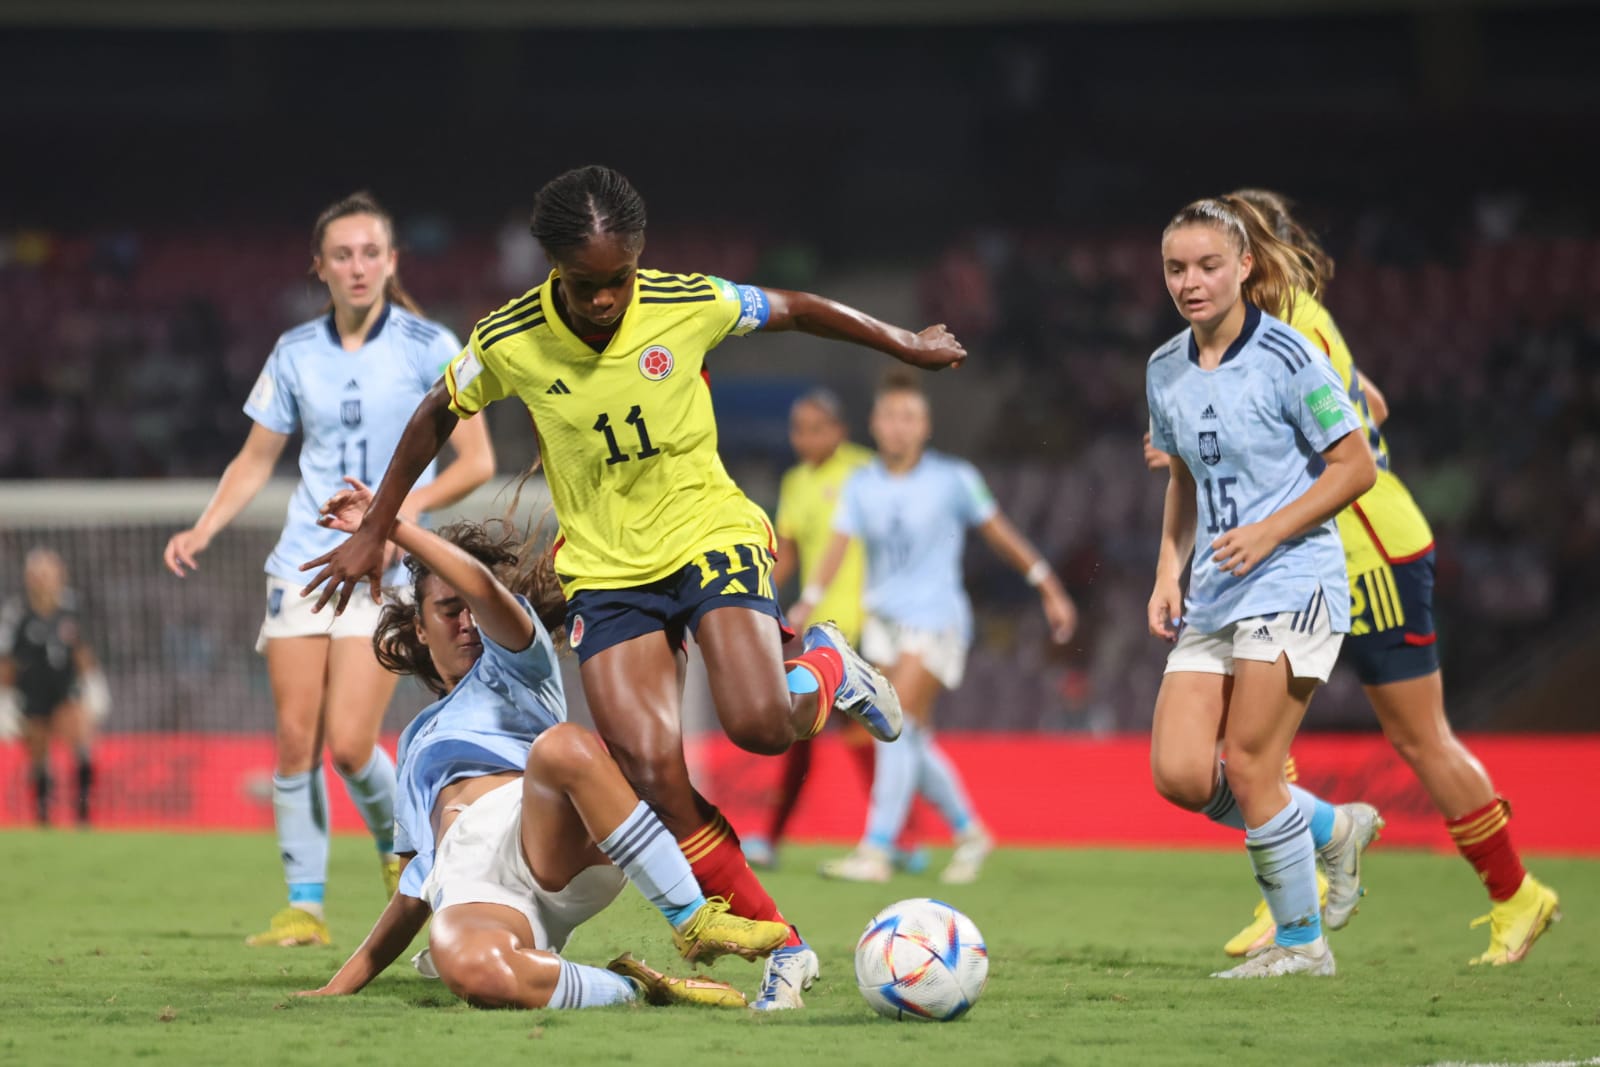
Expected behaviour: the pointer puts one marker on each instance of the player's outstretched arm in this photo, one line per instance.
(1009, 544)
(360, 558)
(473, 466)
(934, 348)
(493, 607)
(400, 922)
(240, 482)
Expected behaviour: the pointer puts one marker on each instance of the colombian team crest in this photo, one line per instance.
(1210, 451)
(655, 362)
(575, 631)
(350, 413)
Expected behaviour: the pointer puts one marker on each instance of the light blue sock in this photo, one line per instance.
(651, 859)
(581, 986)
(372, 789)
(894, 784)
(801, 681)
(940, 782)
(1223, 809)
(1286, 869)
(1318, 814)
(300, 812)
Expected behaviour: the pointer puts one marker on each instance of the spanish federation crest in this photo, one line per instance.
(350, 413)
(1210, 451)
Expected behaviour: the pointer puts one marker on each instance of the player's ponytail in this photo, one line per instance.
(1277, 211)
(577, 205)
(1280, 269)
(362, 203)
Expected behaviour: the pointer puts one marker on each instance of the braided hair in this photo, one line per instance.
(582, 203)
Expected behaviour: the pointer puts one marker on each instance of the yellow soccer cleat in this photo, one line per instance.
(291, 927)
(713, 932)
(1515, 924)
(1261, 930)
(663, 990)
(391, 873)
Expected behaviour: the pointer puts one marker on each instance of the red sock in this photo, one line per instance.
(827, 667)
(718, 864)
(796, 765)
(1484, 838)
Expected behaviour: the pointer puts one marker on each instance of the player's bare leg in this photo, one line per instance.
(1413, 718)
(357, 694)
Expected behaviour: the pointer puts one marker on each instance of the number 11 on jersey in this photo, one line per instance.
(636, 420)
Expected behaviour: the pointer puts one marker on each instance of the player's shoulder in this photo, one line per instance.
(664, 291)
(1171, 347)
(308, 336)
(413, 327)
(944, 465)
(520, 319)
(1280, 347)
(854, 455)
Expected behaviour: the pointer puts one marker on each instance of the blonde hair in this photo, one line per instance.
(1280, 269)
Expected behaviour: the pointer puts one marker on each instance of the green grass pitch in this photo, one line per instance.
(119, 948)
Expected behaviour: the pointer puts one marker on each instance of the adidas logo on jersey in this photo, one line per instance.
(352, 384)
(1261, 634)
(1209, 413)
(559, 388)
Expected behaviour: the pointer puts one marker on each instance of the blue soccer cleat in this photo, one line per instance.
(864, 693)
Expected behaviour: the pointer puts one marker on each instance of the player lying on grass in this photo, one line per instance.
(514, 825)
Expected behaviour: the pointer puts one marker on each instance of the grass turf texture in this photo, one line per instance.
(121, 947)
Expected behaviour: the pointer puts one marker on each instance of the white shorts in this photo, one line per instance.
(480, 861)
(1311, 647)
(289, 615)
(943, 652)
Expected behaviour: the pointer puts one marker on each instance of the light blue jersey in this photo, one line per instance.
(351, 408)
(484, 725)
(1252, 432)
(914, 527)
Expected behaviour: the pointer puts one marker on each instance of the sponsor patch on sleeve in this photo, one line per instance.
(1324, 407)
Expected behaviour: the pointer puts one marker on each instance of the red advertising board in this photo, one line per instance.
(1032, 789)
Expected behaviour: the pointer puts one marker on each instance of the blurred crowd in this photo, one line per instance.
(129, 354)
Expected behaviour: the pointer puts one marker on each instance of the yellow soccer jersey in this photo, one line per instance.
(1384, 525)
(806, 502)
(627, 436)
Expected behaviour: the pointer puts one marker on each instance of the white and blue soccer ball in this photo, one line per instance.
(921, 959)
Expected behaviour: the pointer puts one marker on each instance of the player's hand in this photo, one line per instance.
(359, 559)
(1165, 611)
(181, 550)
(1240, 549)
(1060, 611)
(345, 509)
(325, 991)
(1154, 458)
(935, 348)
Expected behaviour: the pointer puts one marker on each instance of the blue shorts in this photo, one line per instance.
(741, 577)
(1391, 622)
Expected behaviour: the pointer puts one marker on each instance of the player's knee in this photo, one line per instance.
(563, 754)
(1251, 775)
(296, 749)
(480, 974)
(1188, 787)
(764, 730)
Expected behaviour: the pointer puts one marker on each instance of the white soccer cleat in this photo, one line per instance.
(1276, 961)
(972, 848)
(865, 864)
(788, 973)
(1355, 826)
(864, 693)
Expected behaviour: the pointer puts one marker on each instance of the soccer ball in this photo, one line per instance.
(921, 959)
